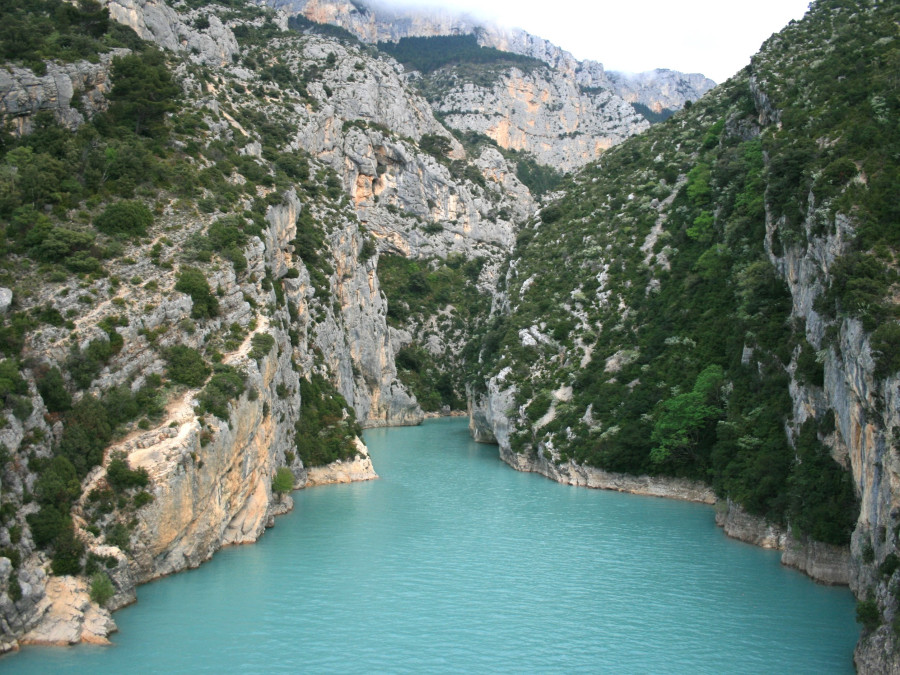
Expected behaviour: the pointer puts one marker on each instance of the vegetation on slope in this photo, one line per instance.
(650, 291)
(428, 54)
(437, 299)
(39, 30)
(79, 209)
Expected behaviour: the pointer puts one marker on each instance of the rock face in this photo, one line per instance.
(214, 44)
(660, 89)
(824, 563)
(565, 115)
(561, 123)
(361, 132)
(208, 496)
(69, 617)
(70, 91)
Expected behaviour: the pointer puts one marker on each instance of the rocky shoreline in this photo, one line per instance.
(353, 470)
(823, 563)
(488, 423)
(69, 617)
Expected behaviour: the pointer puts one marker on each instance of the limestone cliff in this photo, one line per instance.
(69, 91)
(199, 32)
(561, 123)
(565, 115)
(660, 89)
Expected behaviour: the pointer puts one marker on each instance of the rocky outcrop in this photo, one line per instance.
(343, 471)
(199, 32)
(366, 133)
(825, 563)
(73, 92)
(68, 617)
(660, 89)
(553, 118)
(211, 493)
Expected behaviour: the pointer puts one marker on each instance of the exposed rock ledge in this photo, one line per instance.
(570, 473)
(357, 469)
(69, 616)
(824, 563)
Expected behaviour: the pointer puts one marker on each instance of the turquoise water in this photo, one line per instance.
(453, 562)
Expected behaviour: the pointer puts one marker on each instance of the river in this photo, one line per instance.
(453, 562)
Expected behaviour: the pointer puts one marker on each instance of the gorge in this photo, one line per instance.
(235, 234)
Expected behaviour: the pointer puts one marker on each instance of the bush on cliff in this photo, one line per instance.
(283, 482)
(186, 366)
(193, 282)
(226, 384)
(125, 218)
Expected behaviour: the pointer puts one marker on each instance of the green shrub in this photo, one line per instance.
(186, 366)
(889, 565)
(226, 384)
(57, 484)
(102, 588)
(125, 218)
(809, 370)
(118, 535)
(53, 390)
(886, 349)
(67, 552)
(143, 92)
(142, 498)
(193, 282)
(121, 477)
(262, 344)
(46, 525)
(86, 434)
(868, 614)
(11, 382)
(822, 503)
(283, 482)
(14, 588)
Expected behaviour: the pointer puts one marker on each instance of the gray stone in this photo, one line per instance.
(6, 298)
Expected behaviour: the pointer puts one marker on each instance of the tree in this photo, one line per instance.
(143, 91)
(283, 482)
(52, 388)
(186, 366)
(129, 218)
(102, 588)
(121, 477)
(681, 419)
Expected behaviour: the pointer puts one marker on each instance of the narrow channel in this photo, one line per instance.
(454, 562)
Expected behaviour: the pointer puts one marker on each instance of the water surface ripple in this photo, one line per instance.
(453, 562)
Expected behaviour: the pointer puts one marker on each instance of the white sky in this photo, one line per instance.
(713, 37)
